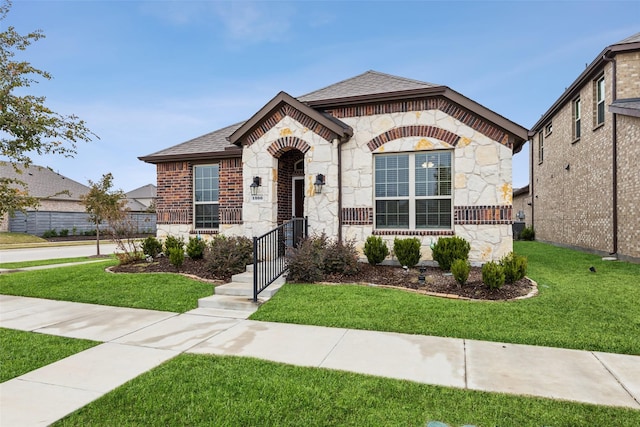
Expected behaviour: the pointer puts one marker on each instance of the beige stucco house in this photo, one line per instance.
(585, 158)
(371, 155)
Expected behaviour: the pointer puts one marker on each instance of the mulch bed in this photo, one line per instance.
(436, 281)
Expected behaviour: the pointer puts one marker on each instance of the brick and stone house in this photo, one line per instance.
(371, 155)
(585, 157)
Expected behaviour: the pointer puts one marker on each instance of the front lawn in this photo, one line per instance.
(575, 308)
(90, 283)
(231, 391)
(22, 352)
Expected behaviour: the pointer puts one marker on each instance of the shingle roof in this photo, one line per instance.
(631, 39)
(627, 107)
(369, 83)
(148, 191)
(213, 142)
(43, 183)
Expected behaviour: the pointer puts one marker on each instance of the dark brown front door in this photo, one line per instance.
(298, 197)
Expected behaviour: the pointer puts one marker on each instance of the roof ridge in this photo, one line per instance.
(634, 38)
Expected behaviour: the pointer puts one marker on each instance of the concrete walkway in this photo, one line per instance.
(135, 341)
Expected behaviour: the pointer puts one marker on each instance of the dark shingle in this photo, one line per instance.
(44, 183)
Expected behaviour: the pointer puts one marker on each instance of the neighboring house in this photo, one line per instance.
(394, 157)
(585, 158)
(59, 199)
(521, 210)
(142, 199)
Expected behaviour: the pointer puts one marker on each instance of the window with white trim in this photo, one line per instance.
(599, 101)
(205, 196)
(577, 115)
(540, 147)
(413, 190)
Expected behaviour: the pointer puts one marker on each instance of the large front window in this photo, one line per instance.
(413, 191)
(205, 197)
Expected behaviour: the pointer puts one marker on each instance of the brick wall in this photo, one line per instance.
(175, 189)
(628, 186)
(628, 70)
(286, 173)
(231, 191)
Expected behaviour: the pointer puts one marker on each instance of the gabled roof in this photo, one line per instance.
(629, 44)
(340, 129)
(148, 191)
(212, 145)
(44, 183)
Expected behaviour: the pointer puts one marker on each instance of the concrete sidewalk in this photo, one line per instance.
(135, 341)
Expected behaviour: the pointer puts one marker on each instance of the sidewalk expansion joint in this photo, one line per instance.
(333, 348)
(464, 353)
(604, 365)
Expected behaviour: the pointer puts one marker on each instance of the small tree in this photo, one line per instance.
(102, 203)
(27, 125)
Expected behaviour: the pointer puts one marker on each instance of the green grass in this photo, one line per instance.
(575, 308)
(89, 283)
(22, 352)
(230, 391)
(23, 264)
(19, 238)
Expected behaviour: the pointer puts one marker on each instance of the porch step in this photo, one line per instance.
(222, 312)
(227, 302)
(245, 289)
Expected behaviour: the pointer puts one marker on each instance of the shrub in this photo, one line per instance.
(375, 249)
(460, 269)
(195, 248)
(151, 246)
(493, 275)
(528, 233)
(407, 251)
(176, 257)
(229, 255)
(340, 258)
(64, 232)
(448, 249)
(173, 242)
(305, 261)
(49, 234)
(514, 266)
(74, 230)
(129, 257)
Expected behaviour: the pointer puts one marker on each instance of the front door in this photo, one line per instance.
(298, 197)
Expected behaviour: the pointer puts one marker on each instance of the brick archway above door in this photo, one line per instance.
(282, 145)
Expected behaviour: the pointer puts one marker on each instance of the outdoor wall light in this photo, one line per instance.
(319, 183)
(257, 182)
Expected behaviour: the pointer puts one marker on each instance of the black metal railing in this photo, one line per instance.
(269, 252)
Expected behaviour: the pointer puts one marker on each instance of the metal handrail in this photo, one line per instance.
(269, 252)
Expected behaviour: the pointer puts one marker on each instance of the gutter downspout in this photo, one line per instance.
(614, 153)
(531, 184)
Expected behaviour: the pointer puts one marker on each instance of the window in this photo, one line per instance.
(548, 129)
(413, 191)
(599, 101)
(576, 118)
(206, 192)
(540, 147)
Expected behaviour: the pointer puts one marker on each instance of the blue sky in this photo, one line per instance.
(146, 75)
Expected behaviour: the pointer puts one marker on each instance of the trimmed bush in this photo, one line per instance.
(305, 261)
(514, 266)
(195, 248)
(493, 275)
(448, 249)
(528, 233)
(64, 232)
(151, 246)
(340, 258)
(460, 269)
(375, 249)
(407, 251)
(173, 242)
(176, 257)
(50, 233)
(229, 255)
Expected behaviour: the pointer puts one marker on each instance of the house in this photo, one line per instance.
(58, 197)
(142, 199)
(375, 154)
(585, 157)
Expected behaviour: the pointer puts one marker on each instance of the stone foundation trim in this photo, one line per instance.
(230, 215)
(287, 110)
(282, 145)
(173, 216)
(413, 233)
(442, 104)
(417, 130)
(357, 216)
(484, 215)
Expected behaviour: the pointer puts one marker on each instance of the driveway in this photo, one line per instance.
(54, 252)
